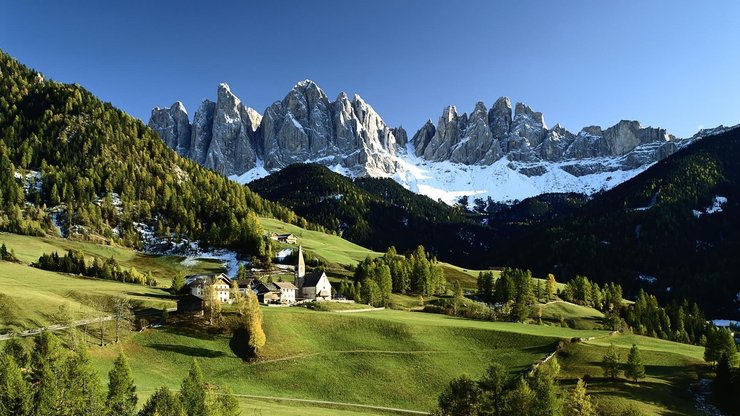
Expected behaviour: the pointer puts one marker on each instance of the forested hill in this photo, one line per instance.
(94, 170)
(674, 229)
(377, 213)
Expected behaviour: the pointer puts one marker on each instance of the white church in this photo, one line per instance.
(311, 286)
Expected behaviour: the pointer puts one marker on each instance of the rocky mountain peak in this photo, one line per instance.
(173, 126)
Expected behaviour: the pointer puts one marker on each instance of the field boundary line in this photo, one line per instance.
(36, 331)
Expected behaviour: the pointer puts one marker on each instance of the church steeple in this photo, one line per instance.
(300, 270)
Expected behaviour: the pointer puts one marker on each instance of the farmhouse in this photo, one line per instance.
(197, 284)
(311, 286)
(284, 238)
(278, 292)
(190, 304)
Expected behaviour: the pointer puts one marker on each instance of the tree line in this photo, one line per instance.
(498, 394)
(55, 380)
(417, 273)
(74, 262)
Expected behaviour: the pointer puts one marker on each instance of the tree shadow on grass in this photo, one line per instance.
(190, 351)
(240, 345)
(164, 296)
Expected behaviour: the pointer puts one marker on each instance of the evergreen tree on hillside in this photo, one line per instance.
(551, 287)
(121, 389)
(578, 402)
(47, 361)
(85, 393)
(611, 362)
(719, 341)
(546, 391)
(493, 384)
(163, 403)
(192, 392)
(15, 392)
(634, 367)
(520, 400)
(461, 397)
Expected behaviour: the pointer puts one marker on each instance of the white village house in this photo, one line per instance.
(221, 284)
(311, 286)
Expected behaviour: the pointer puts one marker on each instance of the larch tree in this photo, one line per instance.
(551, 287)
(252, 323)
(192, 392)
(121, 389)
(578, 402)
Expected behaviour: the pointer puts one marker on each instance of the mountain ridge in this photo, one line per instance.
(348, 136)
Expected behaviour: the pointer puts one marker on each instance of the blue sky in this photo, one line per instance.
(674, 64)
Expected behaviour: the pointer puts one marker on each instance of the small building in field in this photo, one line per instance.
(287, 292)
(284, 238)
(190, 304)
(312, 285)
(277, 292)
(198, 283)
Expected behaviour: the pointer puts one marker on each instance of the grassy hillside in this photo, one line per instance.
(580, 317)
(388, 358)
(331, 248)
(671, 369)
(30, 297)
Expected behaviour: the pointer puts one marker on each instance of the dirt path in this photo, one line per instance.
(360, 310)
(314, 354)
(330, 403)
(325, 403)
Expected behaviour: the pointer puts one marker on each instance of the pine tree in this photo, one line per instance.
(15, 392)
(121, 389)
(579, 403)
(192, 392)
(493, 385)
(634, 368)
(520, 399)
(546, 392)
(47, 361)
(461, 397)
(611, 362)
(163, 403)
(85, 394)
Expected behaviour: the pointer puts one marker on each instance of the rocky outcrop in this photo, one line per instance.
(422, 137)
(173, 126)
